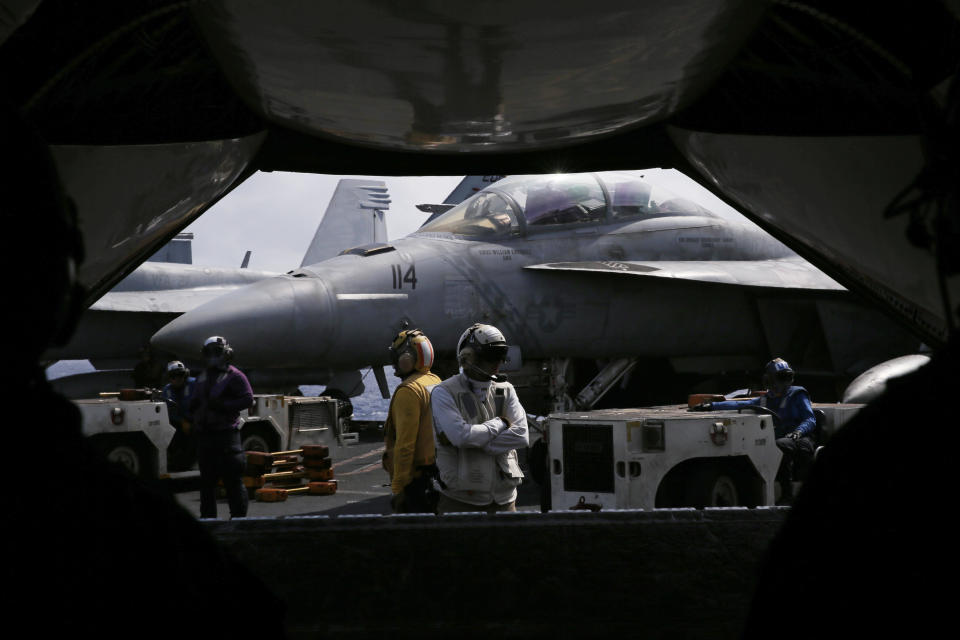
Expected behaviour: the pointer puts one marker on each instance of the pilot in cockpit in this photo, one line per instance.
(499, 214)
(491, 211)
(558, 203)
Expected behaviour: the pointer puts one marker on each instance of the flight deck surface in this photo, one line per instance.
(362, 487)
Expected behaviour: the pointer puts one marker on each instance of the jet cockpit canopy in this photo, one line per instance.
(521, 204)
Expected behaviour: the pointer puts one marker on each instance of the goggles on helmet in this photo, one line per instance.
(485, 342)
(214, 346)
(777, 373)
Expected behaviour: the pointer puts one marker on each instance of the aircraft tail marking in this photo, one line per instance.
(353, 218)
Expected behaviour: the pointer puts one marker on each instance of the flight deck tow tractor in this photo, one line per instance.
(132, 427)
(655, 457)
(667, 457)
(277, 422)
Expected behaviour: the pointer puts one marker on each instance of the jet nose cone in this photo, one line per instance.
(279, 322)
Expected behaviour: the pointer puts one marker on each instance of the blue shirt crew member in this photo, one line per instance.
(178, 393)
(794, 423)
(223, 391)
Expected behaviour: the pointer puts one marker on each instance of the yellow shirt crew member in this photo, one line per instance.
(410, 453)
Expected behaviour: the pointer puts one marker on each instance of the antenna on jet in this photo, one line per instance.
(246, 260)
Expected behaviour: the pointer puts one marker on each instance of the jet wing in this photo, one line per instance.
(782, 273)
(164, 301)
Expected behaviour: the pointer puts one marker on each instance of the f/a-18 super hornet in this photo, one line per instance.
(813, 118)
(584, 273)
(118, 326)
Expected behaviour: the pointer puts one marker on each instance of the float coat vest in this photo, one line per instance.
(470, 474)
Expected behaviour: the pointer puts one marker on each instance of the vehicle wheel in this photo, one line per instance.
(344, 406)
(723, 493)
(128, 456)
(712, 486)
(255, 440)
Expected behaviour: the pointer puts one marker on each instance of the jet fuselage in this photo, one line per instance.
(344, 311)
(579, 266)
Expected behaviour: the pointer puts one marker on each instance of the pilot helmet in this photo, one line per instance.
(216, 351)
(176, 368)
(413, 343)
(577, 191)
(481, 343)
(777, 375)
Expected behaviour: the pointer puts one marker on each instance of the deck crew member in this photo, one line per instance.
(223, 391)
(479, 424)
(177, 393)
(794, 423)
(410, 456)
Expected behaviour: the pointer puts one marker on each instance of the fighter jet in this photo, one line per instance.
(118, 326)
(807, 115)
(576, 270)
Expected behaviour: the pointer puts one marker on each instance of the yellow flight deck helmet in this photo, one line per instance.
(415, 343)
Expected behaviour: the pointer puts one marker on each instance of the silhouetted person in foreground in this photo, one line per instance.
(868, 547)
(89, 547)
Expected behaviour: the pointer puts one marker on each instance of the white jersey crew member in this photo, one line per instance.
(479, 424)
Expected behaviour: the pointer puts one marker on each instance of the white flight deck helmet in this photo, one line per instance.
(175, 367)
(216, 351)
(481, 343)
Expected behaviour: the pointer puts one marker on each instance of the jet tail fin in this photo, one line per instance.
(179, 250)
(469, 186)
(354, 217)
(246, 260)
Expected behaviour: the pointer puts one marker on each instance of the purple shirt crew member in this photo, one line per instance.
(223, 391)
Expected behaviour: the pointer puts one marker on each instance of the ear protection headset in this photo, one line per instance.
(481, 342)
(412, 344)
(466, 352)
